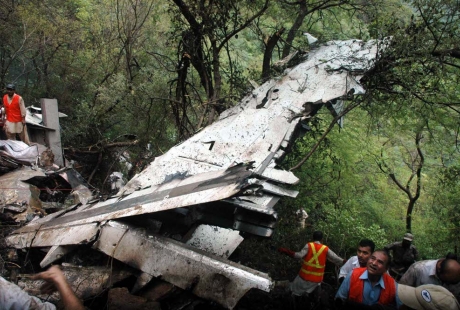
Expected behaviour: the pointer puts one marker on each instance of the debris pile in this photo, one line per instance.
(180, 219)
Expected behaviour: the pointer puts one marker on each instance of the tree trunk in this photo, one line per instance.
(270, 45)
(295, 27)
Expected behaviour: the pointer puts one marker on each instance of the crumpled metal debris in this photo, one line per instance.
(226, 175)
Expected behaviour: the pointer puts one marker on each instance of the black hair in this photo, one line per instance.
(367, 243)
(317, 235)
(451, 255)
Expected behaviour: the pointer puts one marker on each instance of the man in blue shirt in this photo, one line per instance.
(370, 285)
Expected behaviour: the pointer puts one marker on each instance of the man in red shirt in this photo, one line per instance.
(15, 115)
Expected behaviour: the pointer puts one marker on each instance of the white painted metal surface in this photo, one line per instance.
(215, 240)
(207, 168)
(204, 274)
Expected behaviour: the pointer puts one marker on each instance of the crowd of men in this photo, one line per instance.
(372, 280)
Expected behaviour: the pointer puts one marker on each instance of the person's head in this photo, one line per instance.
(364, 251)
(407, 239)
(448, 271)
(10, 88)
(317, 235)
(378, 263)
(427, 297)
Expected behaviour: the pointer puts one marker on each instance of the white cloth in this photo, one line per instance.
(12, 297)
(14, 127)
(351, 264)
(300, 287)
(19, 150)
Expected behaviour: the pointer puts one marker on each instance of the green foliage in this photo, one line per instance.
(114, 68)
(347, 227)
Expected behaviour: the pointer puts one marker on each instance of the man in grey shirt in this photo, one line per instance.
(444, 271)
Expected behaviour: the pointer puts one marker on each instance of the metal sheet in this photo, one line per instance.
(273, 189)
(42, 237)
(186, 193)
(253, 229)
(262, 204)
(246, 132)
(215, 240)
(281, 176)
(201, 171)
(56, 252)
(205, 275)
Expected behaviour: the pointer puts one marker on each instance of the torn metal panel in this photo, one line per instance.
(55, 253)
(262, 204)
(205, 275)
(255, 218)
(202, 179)
(279, 154)
(273, 189)
(253, 229)
(142, 280)
(34, 117)
(43, 237)
(281, 176)
(15, 192)
(185, 193)
(215, 240)
(289, 134)
(248, 132)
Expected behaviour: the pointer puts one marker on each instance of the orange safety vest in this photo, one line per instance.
(387, 295)
(314, 263)
(12, 110)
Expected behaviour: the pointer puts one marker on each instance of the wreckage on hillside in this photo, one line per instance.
(180, 218)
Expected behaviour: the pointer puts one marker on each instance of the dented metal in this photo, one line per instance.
(204, 274)
(215, 240)
(206, 179)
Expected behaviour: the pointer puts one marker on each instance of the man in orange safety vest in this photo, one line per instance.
(370, 285)
(314, 256)
(15, 115)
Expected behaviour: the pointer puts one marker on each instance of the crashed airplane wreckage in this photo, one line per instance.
(225, 178)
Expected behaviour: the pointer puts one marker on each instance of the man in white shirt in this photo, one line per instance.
(365, 249)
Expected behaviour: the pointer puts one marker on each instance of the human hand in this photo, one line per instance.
(286, 252)
(53, 277)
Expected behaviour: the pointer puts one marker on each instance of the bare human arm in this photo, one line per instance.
(55, 280)
(22, 107)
